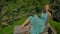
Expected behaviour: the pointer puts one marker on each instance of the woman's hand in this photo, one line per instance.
(21, 27)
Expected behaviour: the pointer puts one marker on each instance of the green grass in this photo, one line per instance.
(10, 29)
(55, 25)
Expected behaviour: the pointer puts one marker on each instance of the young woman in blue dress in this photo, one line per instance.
(38, 24)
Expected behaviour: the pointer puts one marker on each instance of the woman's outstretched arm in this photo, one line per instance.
(26, 22)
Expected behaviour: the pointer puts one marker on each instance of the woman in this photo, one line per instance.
(38, 24)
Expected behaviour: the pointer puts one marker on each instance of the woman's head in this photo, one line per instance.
(46, 8)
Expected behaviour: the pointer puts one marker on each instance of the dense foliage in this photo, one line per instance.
(10, 9)
(55, 7)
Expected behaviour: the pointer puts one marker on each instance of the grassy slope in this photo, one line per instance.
(9, 29)
(55, 25)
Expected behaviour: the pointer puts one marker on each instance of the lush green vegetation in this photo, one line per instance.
(15, 8)
(10, 29)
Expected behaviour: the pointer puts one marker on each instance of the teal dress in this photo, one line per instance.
(38, 24)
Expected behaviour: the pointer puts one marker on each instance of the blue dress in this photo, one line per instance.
(38, 24)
